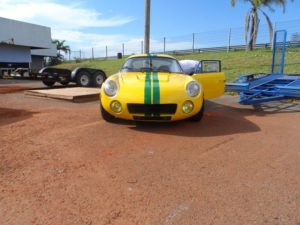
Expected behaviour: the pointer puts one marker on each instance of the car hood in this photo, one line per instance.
(151, 88)
(164, 78)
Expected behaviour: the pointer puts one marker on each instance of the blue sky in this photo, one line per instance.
(172, 18)
(97, 23)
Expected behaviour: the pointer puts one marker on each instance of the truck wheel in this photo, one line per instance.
(98, 79)
(48, 83)
(199, 115)
(105, 115)
(83, 79)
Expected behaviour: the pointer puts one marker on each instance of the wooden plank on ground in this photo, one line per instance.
(75, 94)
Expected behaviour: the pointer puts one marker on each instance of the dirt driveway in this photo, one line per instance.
(60, 163)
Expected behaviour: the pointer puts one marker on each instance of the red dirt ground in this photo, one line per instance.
(11, 89)
(60, 163)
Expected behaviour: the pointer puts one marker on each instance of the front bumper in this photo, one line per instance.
(153, 112)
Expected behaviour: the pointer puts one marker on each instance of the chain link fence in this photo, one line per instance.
(230, 39)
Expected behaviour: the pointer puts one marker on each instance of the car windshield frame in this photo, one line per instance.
(152, 64)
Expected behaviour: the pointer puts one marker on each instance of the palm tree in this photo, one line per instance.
(61, 47)
(252, 18)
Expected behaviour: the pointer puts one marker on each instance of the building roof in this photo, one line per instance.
(19, 33)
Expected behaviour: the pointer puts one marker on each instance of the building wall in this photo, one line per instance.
(14, 54)
(37, 63)
(23, 43)
(24, 34)
(45, 52)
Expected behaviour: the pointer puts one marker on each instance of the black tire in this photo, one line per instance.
(199, 115)
(65, 83)
(83, 79)
(105, 115)
(98, 79)
(48, 83)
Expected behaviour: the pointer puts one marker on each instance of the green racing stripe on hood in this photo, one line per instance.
(152, 90)
(147, 94)
(156, 91)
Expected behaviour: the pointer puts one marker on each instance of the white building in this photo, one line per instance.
(24, 44)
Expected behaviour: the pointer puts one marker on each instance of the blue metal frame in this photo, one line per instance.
(282, 51)
(259, 88)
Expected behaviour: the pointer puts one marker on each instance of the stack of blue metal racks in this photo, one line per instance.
(259, 88)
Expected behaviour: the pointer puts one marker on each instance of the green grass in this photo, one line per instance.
(234, 63)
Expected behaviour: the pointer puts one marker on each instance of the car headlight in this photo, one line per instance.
(110, 88)
(193, 89)
(187, 107)
(116, 106)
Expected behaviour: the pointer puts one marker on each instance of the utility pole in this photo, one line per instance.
(229, 41)
(193, 45)
(147, 26)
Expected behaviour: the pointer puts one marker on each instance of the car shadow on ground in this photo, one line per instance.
(8, 116)
(218, 120)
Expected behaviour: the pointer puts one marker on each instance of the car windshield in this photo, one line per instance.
(151, 64)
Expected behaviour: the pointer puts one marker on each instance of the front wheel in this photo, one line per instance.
(105, 115)
(48, 83)
(83, 79)
(199, 115)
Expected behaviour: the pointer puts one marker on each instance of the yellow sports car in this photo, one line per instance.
(154, 88)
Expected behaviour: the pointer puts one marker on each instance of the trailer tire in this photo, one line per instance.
(48, 83)
(98, 79)
(83, 79)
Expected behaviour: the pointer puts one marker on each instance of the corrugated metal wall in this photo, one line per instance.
(14, 54)
(24, 34)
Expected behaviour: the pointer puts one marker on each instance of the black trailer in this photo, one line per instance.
(84, 77)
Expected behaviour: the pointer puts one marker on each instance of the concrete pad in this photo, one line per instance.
(76, 94)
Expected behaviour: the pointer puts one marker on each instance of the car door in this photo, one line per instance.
(211, 78)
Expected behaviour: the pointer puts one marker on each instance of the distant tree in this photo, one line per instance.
(61, 47)
(252, 18)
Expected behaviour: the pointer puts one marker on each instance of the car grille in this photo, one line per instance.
(152, 118)
(155, 109)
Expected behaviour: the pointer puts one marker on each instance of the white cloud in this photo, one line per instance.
(68, 20)
(58, 15)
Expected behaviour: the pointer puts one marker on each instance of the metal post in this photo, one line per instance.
(69, 55)
(93, 53)
(106, 51)
(80, 54)
(193, 45)
(142, 47)
(123, 49)
(147, 26)
(164, 45)
(229, 40)
(274, 30)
